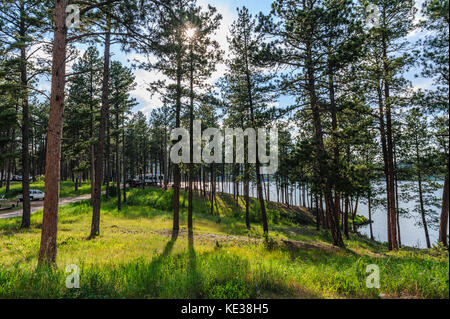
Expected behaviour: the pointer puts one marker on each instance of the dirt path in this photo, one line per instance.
(38, 205)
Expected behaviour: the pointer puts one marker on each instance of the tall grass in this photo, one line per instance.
(136, 257)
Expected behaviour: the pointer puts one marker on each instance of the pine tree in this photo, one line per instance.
(419, 151)
(128, 21)
(23, 24)
(82, 110)
(386, 59)
(122, 82)
(435, 64)
(248, 88)
(298, 32)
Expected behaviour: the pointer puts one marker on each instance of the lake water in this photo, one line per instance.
(411, 233)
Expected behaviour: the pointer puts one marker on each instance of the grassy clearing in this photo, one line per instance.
(67, 188)
(137, 257)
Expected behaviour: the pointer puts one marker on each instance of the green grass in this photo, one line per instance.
(67, 188)
(136, 256)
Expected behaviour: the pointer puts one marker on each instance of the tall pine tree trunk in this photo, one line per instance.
(397, 202)
(176, 168)
(384, 150)
(96, 201)
(421, 202)
(25, 136)
(108, 158)
(213, 188)
(334, 125)
(247, 195)
(369, 200)
(166, 170)
(191, 143)
(444, 213)
(323, 168)
(124, 164)
(47, 251)
(346, 217)
(390, 158)
(119, 197)
(258, 164)
(10, 161)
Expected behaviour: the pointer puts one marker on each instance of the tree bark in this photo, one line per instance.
(334, 125)
(108, 158)
(119, 197)
(444, 213)
(422, 206)
(96, 202)
(397, 202)
(318, 135)
(346, 217)
(355, 211)
(422, 211)
(191, 142)
(47, 252)
(258, 164)
(124, 163)
(369, 199)
(390, 159)
(213, 188)
(166, 181)
(176, 168)
(25, 137)
(317, 212)
(10, 161)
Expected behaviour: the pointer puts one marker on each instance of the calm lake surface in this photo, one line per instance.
(411, 233)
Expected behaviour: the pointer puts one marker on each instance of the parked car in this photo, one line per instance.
(16, 178)
(153, 179)
(35, 194)
(2, 200)
(134, 182)
(6, 203)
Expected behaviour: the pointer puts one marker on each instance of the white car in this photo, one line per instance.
(35, 194)
(153, 179)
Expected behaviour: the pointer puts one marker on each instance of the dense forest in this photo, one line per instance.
(333, 76)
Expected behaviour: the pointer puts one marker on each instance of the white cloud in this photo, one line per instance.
(417, 18)
(221, 35)
(143, 78)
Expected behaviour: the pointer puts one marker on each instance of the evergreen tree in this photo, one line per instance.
(435, 65)
(22, 25)
(248, 87)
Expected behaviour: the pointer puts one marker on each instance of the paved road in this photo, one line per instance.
(38, 205)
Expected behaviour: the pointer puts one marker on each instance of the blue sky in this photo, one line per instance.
(254, 6)
(227, 8)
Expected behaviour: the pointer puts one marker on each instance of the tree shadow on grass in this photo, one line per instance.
(193, 274)
(12, 227)
(168, 249)
(152, 274)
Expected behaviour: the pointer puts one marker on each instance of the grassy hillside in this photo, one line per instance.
(136, 256)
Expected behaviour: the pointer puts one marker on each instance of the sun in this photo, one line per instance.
(190, 33)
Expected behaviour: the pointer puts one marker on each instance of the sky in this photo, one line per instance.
(227, 8)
